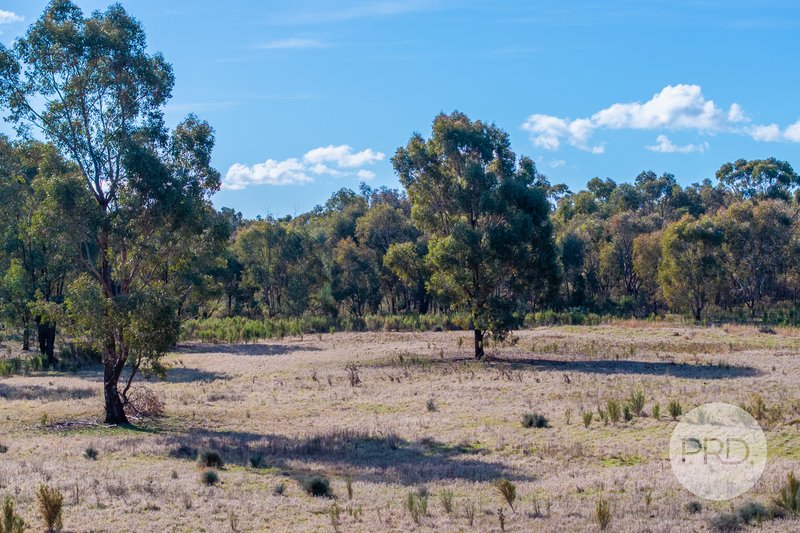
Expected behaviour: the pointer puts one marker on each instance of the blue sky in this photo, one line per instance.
(310, 96)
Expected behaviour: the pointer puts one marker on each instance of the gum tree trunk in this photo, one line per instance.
(478, 344)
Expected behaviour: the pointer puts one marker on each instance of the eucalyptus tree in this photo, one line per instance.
(490, 238)
(759, 178)
(89, 86)
(39, 246)
(690, 263)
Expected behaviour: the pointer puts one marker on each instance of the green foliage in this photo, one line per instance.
(317, 486)
(416, 504)
(142, 208)
(490, 240)
(614, 410)
(11, 522)
(690, 263)
(534, 420)
(694, 507)
(50, 502)
(656, 412)
(636, 401)
(90, 453)
(753, 513)
(587, 418)
(602, 513)
(210, 459)
(788, 498)
(446, 498)
(507, 490)
(209, 477)
(675, 409)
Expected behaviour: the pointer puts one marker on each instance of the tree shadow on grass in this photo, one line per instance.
(656, 368)
(364, 456)
(39, 392)
(182, 374)
(244, 349)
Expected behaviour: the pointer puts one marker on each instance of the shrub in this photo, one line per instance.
(90, 453)
(626, 413)
(210, 478)
(602, 513)
(788, 497)
(352, 374)
(183, 452)
(469, 512)
(210, 459)
(348, 483)
(587, 418)
(603, 415)
(753, 513)
(279, 489)
(675, 409)
(534, 420)
(256, 461)
(694, 507)
(508, 490)
(10, 522)
(3, 448)
(417, 504)
(726, 522)
(656, 412)
(50, 502)
(317, 486)
(446, 497)
(636, 401)
(614, 411)
(431, 405)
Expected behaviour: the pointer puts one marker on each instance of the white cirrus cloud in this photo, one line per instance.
(675, 107)
(334, 161)
(665, 146)
(293, 43)
(9, 17)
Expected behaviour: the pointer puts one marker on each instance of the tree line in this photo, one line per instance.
(109, 238)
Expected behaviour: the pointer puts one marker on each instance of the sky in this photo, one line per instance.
(307, 97)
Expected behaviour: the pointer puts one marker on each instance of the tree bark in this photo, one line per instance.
(478, 344)
(46, 333)
(26, 339)
(115, 413)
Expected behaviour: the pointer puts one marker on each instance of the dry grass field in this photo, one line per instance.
(388, 414)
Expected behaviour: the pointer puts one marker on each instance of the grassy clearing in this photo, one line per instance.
(284, 412)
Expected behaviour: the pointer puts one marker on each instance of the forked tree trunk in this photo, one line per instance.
(115, 413)
(478, 344)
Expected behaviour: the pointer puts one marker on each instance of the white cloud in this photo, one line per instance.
(9, 17)
(792, 133)
(557, 163)
(365, 174)
(342, 161)
(769, 132)
(293, 43)
(675, 107)
(270, 172)
(343, 156)
(665, 146)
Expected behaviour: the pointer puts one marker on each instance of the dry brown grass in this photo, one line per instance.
(281, 412)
